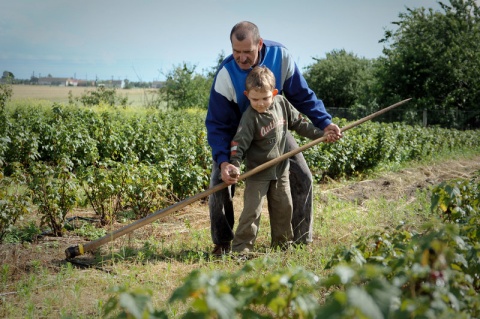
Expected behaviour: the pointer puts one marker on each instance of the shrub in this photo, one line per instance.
(54, 192)
(15, 199)
(103, 190)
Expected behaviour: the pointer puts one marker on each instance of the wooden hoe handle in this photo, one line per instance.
(74, 251)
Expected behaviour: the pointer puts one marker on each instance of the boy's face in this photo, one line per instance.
(261, 100)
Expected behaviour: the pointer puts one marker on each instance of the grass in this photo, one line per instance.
(37, 282)
(60, 94)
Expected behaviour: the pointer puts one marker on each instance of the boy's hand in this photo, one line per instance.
(230, 173)
(234, 173)
(333, 133)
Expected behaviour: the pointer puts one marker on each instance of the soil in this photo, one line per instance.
(50, 251)
(406, 182)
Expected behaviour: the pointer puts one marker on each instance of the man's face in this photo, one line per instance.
(246, 52)
(260, 100)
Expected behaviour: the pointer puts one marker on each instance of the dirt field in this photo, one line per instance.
(59, 94)
(393, 185)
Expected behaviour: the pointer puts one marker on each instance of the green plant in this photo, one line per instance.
(26, 233)
(54, 192)
(143, 187)
(102, 95)
(252, 291)
(15, 199)
(457, 200)
(103, 190)
(65, 135)
(436, 270)
(5, 96)
(136, 303)
(22, 140)
(89, 231)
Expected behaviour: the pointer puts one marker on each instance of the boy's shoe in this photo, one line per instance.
(222, 249)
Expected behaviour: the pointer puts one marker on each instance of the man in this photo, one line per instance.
(226, 105)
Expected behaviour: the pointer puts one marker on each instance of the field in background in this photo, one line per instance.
(59, 94)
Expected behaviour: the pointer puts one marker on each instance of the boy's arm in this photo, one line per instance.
(299, 124)
(239, 146)
(242, 139)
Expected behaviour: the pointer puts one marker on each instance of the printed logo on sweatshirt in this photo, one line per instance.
(267, 128)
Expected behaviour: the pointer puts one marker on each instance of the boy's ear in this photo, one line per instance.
(275, 92)
(245, 93)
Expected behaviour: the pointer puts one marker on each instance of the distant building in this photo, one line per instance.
(85, 83)
(72, 82)
(53, 81)
(119, 84)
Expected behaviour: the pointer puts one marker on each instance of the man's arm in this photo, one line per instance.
(221, 122)
(298, 93)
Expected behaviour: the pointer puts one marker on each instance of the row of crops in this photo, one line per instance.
(59, 157)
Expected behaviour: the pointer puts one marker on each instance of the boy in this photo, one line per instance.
(260, 138)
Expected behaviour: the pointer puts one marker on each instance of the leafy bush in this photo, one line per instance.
(102, 187)
(371, 144)
(436, 271)
(136, 303)
(282, 294)
(457, 200)
(54, 192)
(15, 199)
(24, 233)
(101, 95)
(5, 96)
(66, 135)
(23, 140)
(144, 188)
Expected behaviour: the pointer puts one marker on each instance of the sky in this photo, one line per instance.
(142, 40)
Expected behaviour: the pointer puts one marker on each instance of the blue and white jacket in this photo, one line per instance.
(227, 101)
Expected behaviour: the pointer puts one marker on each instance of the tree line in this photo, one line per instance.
(432, 57)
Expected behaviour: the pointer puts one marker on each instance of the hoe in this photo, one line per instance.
(81, 249)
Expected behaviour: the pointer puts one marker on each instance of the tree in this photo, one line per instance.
(434, 57)
(7, 77)
(341, 79)
(184, 88)
(213, 71)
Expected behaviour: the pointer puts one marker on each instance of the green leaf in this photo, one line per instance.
(224, 305)
(361, 300)
(344, 273)
(136, 304)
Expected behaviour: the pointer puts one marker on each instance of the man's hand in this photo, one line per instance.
(230, 173)
(332, 132)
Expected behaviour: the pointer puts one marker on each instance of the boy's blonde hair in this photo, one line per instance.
(260, 79)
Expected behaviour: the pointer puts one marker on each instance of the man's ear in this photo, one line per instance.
(275, 92)
(245, 93)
